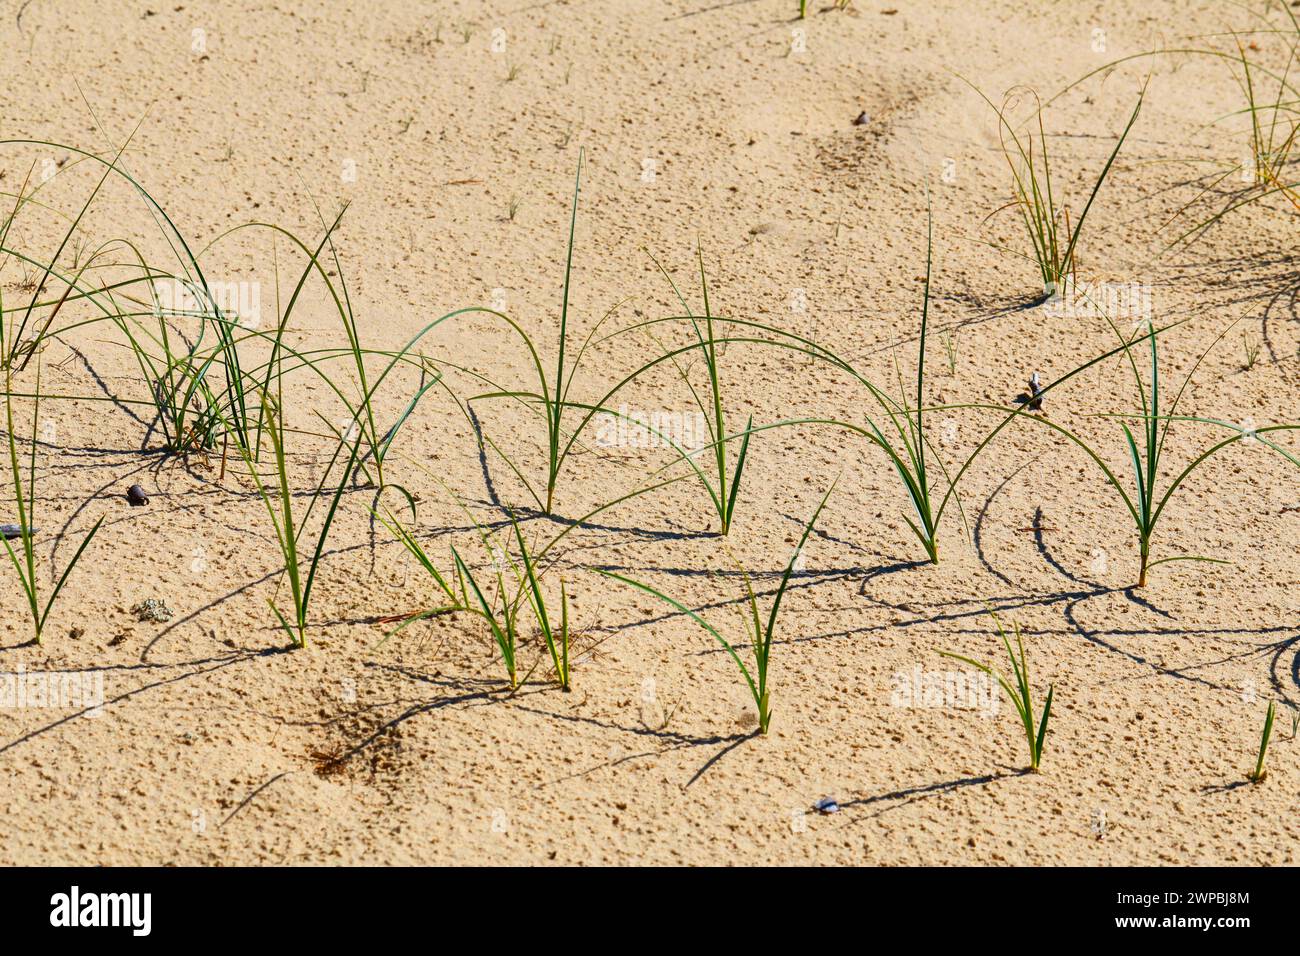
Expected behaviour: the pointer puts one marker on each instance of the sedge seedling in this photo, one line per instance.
(23, 558)
(1250, 346)
(557, 639)
(551, 395)
(501, 613)
(1258, 774)
(302, 556)
(727, 474)
(1021, 692)
(501, 620)
(761, 632)
(1274, 121)
(950, 347)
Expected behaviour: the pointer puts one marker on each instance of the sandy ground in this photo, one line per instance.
(729, 125)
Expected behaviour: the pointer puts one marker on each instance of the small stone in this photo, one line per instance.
(862, 120)
(827, 805)
(136, 496)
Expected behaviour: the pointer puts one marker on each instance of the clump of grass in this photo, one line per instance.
(1271, 141)
(1274, 120)
(175, 372)
(19, 349)
(1259, 772)
(24, 558)
(1147, 503)
(950, 348)
(1021, 693)
(1046, 219)
(456, 596)
(760, 633)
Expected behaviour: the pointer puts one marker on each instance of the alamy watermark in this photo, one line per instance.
(238, 302)
(958, 690)
(54, 690)
(1117, 301)
(637, 428)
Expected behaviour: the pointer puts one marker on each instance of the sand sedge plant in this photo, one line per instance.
(726, 474)
(455, 594)
(1250, 346)
(1046, 219)
(233, 395)
(463, 592)
(909, 458)
(551, 395)
(194, 409)
(18, 349)
(1274, 126)
(761, 633)
(501, 620)
(175, 371)
(1271, 139)
(1259, 772)
(23, 558)
(1020, 692)
(557, 640)
(190, 404)
(302, 558)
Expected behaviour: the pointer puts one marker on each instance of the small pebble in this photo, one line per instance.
(136, 496)
(827, 805)
(862, 120)
(11, 531)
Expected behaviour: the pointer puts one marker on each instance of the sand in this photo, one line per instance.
(727, 126)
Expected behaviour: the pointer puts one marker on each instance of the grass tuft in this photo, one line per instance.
(1259, 773)
(761, 633)
(1020, 692)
